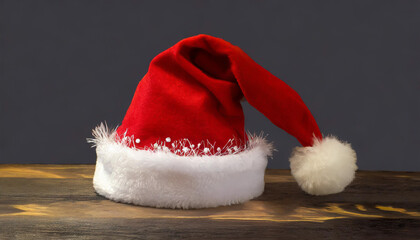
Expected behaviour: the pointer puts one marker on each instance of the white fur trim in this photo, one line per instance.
(166, 180)
(325, 168)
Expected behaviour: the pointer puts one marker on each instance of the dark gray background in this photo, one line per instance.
(68, 65)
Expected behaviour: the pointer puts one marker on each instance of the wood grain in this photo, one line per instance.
(58, 202)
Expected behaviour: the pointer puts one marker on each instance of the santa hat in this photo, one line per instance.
(182, 143)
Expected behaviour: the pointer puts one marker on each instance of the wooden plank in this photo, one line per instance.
(58, 201)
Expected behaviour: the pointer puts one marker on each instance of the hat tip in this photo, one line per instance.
(325, 168)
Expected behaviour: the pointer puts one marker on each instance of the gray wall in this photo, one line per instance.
(68, 65)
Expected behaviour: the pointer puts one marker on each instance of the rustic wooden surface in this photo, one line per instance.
(58, 202)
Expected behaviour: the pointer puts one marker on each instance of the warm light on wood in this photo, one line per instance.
(32, 194)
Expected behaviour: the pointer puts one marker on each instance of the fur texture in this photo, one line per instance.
(325, 168)
(163, 179)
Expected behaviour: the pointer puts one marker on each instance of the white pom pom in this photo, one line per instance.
(325, 168)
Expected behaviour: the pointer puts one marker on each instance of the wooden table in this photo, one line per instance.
(58, 202)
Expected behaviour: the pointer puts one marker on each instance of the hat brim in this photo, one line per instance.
(166, 180)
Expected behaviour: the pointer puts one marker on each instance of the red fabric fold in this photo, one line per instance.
(193, 91)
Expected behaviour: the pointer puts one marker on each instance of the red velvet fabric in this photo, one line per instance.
(193, 90)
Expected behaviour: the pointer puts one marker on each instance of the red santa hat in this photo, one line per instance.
(182, 143)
